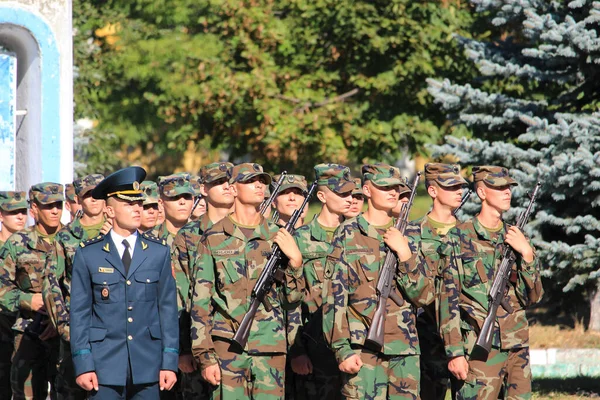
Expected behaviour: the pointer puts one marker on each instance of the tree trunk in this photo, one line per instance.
(595, 310)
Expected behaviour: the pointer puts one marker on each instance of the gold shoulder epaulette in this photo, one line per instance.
(152, 238)
(91, 241)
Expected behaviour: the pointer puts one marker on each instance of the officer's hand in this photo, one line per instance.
(288, 246)
(212, 374)
(106, 227)
(301, 365)
(37, 304)
(398, 243)
(515, 238)
(351, 365)
(166, 379)
(187, 363)
(459, 367)
(49, 332)
(88, 381)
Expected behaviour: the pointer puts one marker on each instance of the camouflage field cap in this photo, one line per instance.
(382, 174)
(11, 201)
(292, 181)
(195, 182)
(215, 171)
(358, 188)
(492, 176)
(46, 192)
(150, 190)
(335, 176)
(445, 175)
(175, 185)
(123, 184)
(87, 183)
(246, 171)
(70, 192)
(404, 187)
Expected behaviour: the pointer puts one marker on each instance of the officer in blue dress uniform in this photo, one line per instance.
(124, 328)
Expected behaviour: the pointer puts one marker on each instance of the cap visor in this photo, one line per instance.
(250, 176)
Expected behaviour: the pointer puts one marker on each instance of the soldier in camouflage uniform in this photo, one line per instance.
(351, 272)
(24, 257)
(150, 211)
(316, 370)
(403, 199)
(70, 201)
(428, 237)
(215, 189)
(232, 256)
(476, 254)
(290, 196)
(358, 200)
(13, 216)
(56, 286)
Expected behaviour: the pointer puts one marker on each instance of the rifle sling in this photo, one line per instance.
(359, 316)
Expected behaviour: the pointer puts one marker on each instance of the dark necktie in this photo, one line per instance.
(126, 259)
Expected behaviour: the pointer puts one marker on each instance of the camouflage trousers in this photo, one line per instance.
(244, 376)
(33, 367)
(188, 387)
(383, 377)
(324, 383)
(485, 378)
(66, 387)
(7, 344)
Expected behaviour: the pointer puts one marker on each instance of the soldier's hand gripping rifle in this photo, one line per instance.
(265, 204)
(386, 285)
(497, 295)
(462, 202)
(265, 281)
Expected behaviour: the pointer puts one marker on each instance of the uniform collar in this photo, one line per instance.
(367, 229)
(316, 230)
(484, 234)
(230, 228)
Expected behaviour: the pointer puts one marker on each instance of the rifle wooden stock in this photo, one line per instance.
(386, 285)
(265, 281)
(497, 295)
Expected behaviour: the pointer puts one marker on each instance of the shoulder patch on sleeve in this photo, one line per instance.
(91, 241)
(148, 236)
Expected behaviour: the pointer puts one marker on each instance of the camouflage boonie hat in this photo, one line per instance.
(335, 176)
(292, 181)
(87, 183)
(215, 171)
(150, 190)
(195, 183)
(70, 192)
(492, 176)
(445, 175)
(46, 192)
(358, 188)
(175, 185)
(382, 174)
(246, 171)
(11, 201)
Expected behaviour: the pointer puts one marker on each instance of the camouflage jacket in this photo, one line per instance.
(56, 285)
(433, 249)
(312, 242)
(24, 265)
(228, 265)
(183, 257)
(351, 273)
(467, 279)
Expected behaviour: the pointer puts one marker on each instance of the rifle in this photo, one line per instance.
(275, 217)
(78, 214)
(497, 295)
(265, 204)
(462, 202)
(386, 287)
(196, 202)
(265, 281)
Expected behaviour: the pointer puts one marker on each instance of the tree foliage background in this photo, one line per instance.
(287, 83)
(533, 108)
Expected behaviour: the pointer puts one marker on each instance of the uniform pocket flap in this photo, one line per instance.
(147, 276)
(105, 279)
(155, 331)
(97, 334)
